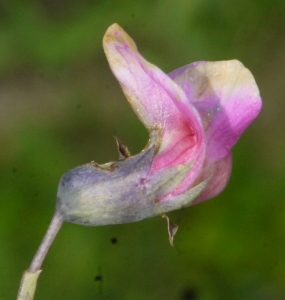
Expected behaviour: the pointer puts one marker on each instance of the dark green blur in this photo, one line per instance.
(60, 107)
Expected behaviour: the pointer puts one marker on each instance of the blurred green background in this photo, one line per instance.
(60, 107)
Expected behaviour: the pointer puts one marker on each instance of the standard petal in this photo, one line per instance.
(149, 91)
(227, 98)
(160, 104)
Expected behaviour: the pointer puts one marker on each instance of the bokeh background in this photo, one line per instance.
(60, 107)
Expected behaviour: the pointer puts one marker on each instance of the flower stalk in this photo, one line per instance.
(29, 279)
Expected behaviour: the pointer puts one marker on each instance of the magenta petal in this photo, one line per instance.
(227, 98)
(174, 124)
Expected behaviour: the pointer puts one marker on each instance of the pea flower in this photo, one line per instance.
(194, 116)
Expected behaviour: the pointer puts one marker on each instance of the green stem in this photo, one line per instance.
(30, 277)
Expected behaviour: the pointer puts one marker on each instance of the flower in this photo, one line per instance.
(194, 116)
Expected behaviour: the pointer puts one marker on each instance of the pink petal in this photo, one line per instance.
(174, 124)
(218, 174)
(227, 98)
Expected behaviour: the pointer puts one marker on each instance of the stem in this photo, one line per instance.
(52, 231)
(29, 278)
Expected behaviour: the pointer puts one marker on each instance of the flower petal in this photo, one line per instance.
(227, 98)
(218, 175)
(174, 124)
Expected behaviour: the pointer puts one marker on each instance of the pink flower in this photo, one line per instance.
(194, 116)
